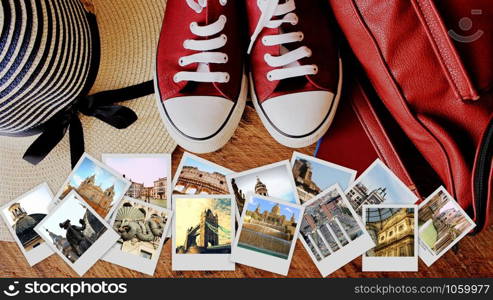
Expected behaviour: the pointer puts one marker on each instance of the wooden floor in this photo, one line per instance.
(253, 147)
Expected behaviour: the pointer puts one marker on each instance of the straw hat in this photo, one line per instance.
(129, 32)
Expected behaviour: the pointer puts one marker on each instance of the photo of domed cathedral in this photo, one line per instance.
(274, 180)
(328, 225)
(149, 174)
(24, 213)
(72, 228)
(197, 176)
(140, 227)
(100, 187)
(268, 227)
(393, 231)
(442, 222)
(203, 225)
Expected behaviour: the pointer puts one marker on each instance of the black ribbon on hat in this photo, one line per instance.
(101, 105)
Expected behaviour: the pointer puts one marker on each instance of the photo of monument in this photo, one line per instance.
(268, 227)
(197, 176)
(442, 222)
(99, 187)
(149, 175)
(274, 180)
(140, 227)
(378, 185)
(203, 225)
(393, 231)
(312, 176)
(72, 228)
(25, 213)
(328, 225)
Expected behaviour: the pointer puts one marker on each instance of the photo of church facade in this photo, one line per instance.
(203, 226)
(393, 231)
(140, 227)
(268, 227)
(441, 222)
(328, 225)
(72, 229)
(155, 194)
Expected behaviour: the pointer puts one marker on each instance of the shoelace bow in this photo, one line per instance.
(287, 63)
(206, 55)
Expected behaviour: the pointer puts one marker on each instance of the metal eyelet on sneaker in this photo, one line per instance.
(226, 58)
(269, 77)
(226, 78)
(301, 36)
(175, 78)
(181, 62)
(315, 69)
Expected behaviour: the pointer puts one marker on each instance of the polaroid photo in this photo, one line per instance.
(331, 232)
(76, 232)
(378, 185)
(22, 215)
(149, 174)
(203, 231)
(442, 223)
(142, 228)
(313, 175)
(197, 176)
(274, 180)
(99, 185)
(394, 230)
(267, 234)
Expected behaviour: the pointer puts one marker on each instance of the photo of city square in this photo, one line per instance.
(140, 227)
(203, 225)
(274, 180)
(101, 188)
(328, 225)
(25, 213)
(442, 222)
(149, 175)
(393, 231)
(72, 228)
(312, 176)
(378, 185)
(197, 176)
(268, 227)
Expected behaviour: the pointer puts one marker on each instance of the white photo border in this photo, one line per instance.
(93, 253)
(202, 262)
(265, 261)
(392, 264)
(42, 251)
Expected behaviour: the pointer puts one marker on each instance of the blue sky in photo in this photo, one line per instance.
(325, 176)
(396, 193)
(268, 205)
(104, 179)
(191, 162)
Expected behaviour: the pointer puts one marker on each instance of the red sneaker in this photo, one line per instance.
(296, 75)
(200, 83)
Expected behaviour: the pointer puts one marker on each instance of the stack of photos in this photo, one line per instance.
(331, 231)
(22, 215)
(197, 176)
(101, 187)
(394, 229)
(313, 175)
(142, 228)
(378, 185)
(203, 230)
(442, 223)
(267, 234)
(149, 174)
(275, 180)
(77, 233)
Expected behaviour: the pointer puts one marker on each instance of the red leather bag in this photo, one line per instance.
(431, 66)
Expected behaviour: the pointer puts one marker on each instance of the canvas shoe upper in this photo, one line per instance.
(295, 68)
(200, 83)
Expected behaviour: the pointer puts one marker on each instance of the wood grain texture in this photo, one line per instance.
(253, 147)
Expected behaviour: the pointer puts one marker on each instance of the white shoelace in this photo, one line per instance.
(205, 56)
(287, 63)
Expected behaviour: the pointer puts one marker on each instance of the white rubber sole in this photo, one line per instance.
(295, 142)
(217, 141)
